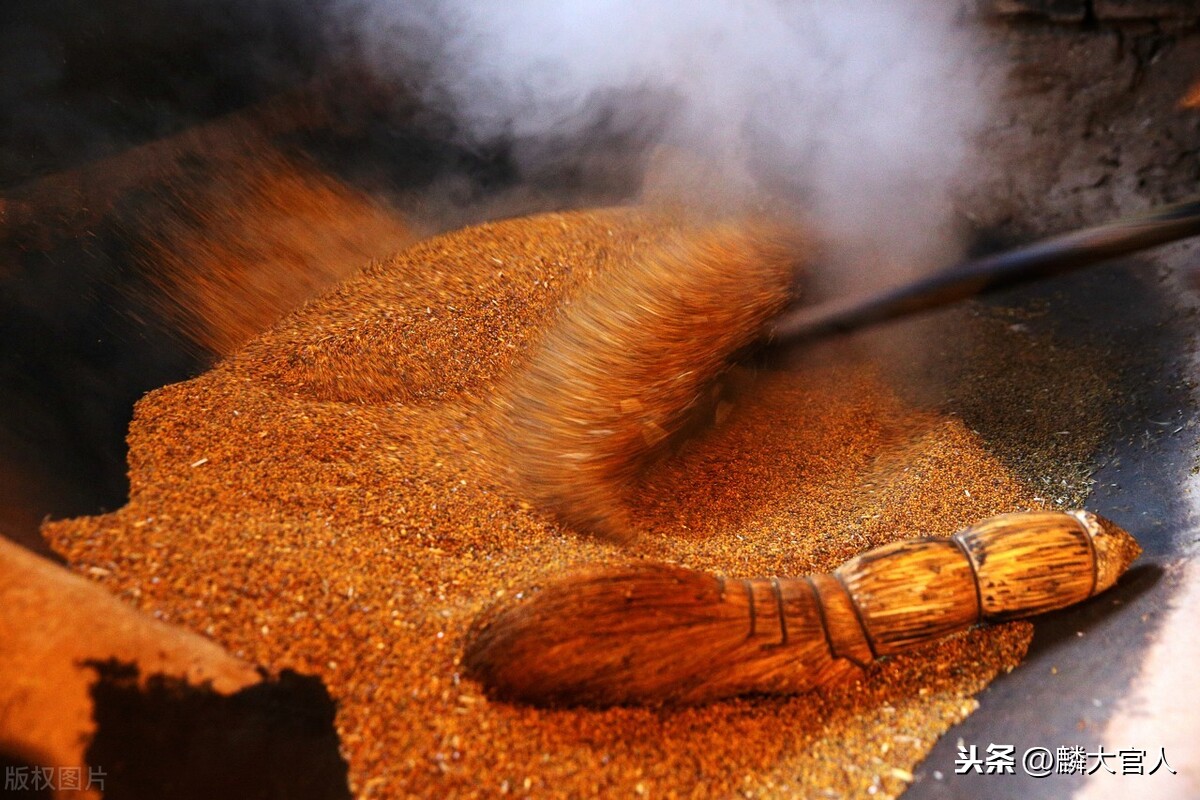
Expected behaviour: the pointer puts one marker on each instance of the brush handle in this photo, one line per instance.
(1044, 259)
(906, 594)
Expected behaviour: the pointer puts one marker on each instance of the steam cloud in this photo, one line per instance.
(864, 112)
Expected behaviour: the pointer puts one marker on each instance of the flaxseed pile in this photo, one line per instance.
(320, 501)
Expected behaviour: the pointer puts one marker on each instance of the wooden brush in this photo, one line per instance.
(629, 363)
(653, 633)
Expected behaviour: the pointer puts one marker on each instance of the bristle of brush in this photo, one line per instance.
(602, 638)
(650, 634)
(615, 379)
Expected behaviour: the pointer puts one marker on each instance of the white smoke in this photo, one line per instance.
(863, 111)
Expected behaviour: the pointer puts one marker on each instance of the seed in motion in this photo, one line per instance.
(633, 361)
(654, 633)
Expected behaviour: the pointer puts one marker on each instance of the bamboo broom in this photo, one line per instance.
(653, 633)
(635, 358)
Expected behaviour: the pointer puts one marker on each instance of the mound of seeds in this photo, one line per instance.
(321, 502)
